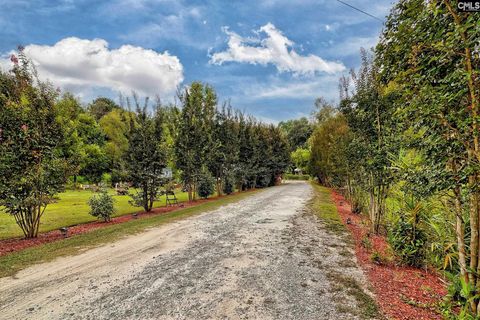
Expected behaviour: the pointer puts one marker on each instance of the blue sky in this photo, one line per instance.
(270, 58)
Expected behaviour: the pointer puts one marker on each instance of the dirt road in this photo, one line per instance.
(264, 257)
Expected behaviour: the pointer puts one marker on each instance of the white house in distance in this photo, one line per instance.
(167, 173)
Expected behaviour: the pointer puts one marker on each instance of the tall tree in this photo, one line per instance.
(297, 132)
(30, 141)
(224, 152)
(101, 106)
(429, 53)
(146, 155)
(194, 144)
(369, 114)
(116, 127)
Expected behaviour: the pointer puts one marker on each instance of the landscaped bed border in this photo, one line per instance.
(402, 292)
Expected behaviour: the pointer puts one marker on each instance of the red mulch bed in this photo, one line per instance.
(401, 292)
(16, 244)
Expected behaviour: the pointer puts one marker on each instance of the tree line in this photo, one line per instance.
(49, 140)
(403, 142)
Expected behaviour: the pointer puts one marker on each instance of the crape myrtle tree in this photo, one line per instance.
(369, 115)
(31, 138)
(429, 52)
(146, 156)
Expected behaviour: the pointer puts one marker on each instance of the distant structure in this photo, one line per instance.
(167, 173)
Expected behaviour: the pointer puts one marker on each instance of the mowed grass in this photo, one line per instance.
(366, 308)
(72, 209)
(323, 206)
(14, 262)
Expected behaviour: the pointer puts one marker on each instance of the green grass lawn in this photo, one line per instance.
(72, 209)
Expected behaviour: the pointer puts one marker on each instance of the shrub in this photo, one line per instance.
(366, 243)
(408, 243)
(206, 185)
(228, 185)
(102, 206)
(107, 178)
(378, 258)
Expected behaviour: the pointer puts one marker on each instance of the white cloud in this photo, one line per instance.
(80, 65)
(325, 86)
(274, 49)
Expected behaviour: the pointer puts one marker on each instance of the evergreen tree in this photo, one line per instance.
(146, 155)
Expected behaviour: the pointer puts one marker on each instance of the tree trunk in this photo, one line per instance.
(460, 232)
(372, 210)
(474, 237)
(219, 186)
(189, 189)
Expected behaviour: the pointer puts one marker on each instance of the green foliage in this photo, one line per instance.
(301, 158)
(102, 206)
(456, 304)
(95, 163)
(228, 184)
(289, 176)
(377, 258)
(328, 160)
(408, 243)
(206, 185)
(31, 137)
(225, 151)
(366, 243)
(194, 143)
(297, 132)
(146, 156)
(115, 126)
(429, 62)
(102, 106)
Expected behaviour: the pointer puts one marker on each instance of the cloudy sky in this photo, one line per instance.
(271, 58)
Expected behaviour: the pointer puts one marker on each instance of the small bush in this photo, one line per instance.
(228, 185)
(206, 185)
(102, 206)
(408, 243)
(367, 243)
(456, 305)
(378, 258)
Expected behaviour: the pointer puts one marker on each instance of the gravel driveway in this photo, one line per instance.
(265, 257)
